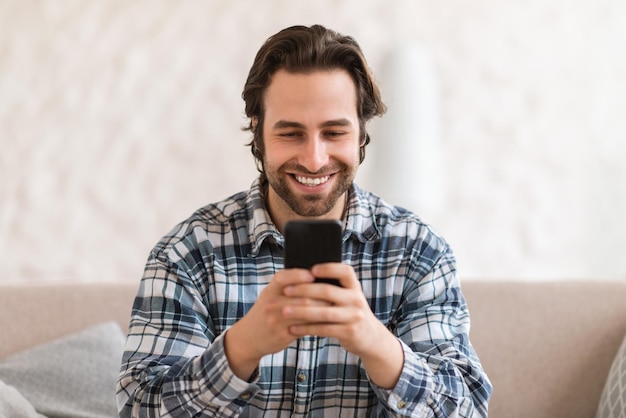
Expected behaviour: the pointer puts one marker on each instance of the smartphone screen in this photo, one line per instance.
(310, 242)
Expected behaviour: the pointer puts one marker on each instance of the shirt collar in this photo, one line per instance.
(361, 221)
(260, 224)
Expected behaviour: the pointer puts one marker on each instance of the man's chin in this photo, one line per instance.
(311, 206)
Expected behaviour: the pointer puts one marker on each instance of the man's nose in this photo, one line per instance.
(314, 155)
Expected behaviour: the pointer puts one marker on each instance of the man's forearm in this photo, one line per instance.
(384, 364)
(241, 361)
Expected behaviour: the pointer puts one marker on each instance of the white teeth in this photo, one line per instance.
(308, 181)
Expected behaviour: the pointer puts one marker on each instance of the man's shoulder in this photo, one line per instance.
(378, 210)
(393, 221)
(224, 211)
(212, 220)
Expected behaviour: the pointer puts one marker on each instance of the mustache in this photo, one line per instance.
(326, 170)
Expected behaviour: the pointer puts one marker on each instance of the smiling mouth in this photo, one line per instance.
(311, 181)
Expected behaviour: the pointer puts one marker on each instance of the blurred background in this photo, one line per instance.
(506, 128)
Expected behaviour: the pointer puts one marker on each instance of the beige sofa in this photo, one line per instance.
(547, 346)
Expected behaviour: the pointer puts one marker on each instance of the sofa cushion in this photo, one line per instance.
(73, 376)
(13, 404)
(613, 400)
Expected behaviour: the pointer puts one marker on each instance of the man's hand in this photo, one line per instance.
(346, 316)
(265, 328)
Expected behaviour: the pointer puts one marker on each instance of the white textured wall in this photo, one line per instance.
(118, 119)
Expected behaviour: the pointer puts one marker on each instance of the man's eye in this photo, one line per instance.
(289, 134)
(334, 134)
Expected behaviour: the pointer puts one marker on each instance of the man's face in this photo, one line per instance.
(311, 138)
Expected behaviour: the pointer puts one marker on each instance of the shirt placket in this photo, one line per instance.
(305, 375)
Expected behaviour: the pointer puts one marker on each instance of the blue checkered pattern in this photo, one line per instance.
(209, 270)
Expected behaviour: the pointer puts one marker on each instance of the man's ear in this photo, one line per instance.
(254, 122)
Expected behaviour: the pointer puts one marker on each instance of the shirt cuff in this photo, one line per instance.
(415, 386)
(223, 387)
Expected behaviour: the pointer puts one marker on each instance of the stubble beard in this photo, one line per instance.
(310, 205)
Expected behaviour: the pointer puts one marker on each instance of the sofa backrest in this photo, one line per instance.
(32, 314)
(546, 346)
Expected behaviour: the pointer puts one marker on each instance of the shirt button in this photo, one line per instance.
(301, 377)
(401, 404)
(245, 396)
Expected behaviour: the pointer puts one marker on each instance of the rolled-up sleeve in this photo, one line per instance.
(442, 375)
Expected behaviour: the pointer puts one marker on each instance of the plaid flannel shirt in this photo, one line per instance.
(209, 270)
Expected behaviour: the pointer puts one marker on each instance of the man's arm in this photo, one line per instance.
(442, 375)
(426, 367)
(173, 362)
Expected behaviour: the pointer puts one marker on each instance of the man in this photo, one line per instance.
(219, 328)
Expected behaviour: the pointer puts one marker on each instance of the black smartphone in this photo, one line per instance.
(310, 242)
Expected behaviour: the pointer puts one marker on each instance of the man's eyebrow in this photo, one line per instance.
(285, 124)
(336, 122)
